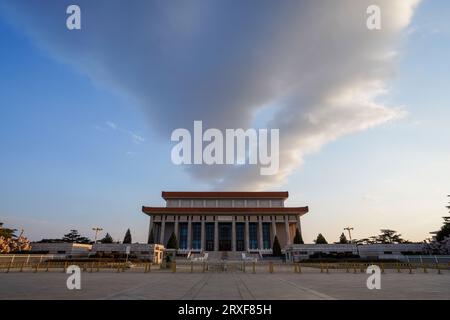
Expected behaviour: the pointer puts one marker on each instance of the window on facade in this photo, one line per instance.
(240, 236)
(209, 236)
(277, 203)
(196, 236)
(266, 235)
(253, 235)
(183, 235)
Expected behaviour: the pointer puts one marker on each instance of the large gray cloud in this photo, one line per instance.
(223, 61)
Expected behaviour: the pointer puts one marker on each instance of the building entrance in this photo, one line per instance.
(224, 236)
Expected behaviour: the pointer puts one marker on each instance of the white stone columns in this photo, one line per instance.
(247, 235)
(189, 235)
(288, 235)
(299, 224)
(216, 235)
(163, 227)
(150, 228)
(203, 231)
(175, 229)
(260, 233)
(233, 235)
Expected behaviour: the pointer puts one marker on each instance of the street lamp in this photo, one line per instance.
(349, 232)
(97, 230)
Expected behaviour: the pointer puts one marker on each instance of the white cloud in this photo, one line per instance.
(223, 61)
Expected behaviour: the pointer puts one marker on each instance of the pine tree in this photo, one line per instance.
(276, 248)
(445, 230)
(6, 232)
(173, 242)
(390, 236)
(127, 238)
(298, 237)
(107, 239)
(343, 239)
(321, 239)
(74, 237)
(151, 237)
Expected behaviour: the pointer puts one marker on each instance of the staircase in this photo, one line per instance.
(234, 256)
(214, 255)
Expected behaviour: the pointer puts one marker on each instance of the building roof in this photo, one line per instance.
(223, 194)
(168, 210)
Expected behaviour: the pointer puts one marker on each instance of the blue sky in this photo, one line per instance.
(77, 153)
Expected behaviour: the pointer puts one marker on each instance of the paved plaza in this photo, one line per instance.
(227, 285)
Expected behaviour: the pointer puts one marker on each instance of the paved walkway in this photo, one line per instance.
(238, 285)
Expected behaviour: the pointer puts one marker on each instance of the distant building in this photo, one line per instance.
(298, 252)
(153, 252)
(225, 221)
(64, 248)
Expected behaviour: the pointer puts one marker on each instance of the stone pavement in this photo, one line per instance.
(232, 285)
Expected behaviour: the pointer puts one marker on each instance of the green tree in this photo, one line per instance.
(173, 242)
(298, 237)
(445, 230)
(151, 237)
(390, 236)
(6, 232)
(74, 237)
(107, 239)
(343, 239)
(276, 248)
(321, 239)
(127, 238)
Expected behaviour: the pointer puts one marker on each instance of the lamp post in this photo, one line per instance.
(97, 230)
(349, 232)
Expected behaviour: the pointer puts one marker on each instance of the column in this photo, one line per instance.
(299, 225)
(260, 233)
(274, 228)
(216, 235)
(189, 235)
(286, 224)
(247, 235)
(175, 229)
(150, 228)
(163, 227)
(203, 231)
(233, 234)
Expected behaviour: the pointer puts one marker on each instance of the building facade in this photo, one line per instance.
(299, 252)
(66, 249)
(225, 221)
(152, 252)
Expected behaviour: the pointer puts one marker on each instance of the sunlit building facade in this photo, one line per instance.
(225, 221)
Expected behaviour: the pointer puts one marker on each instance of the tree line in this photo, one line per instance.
(74, 237)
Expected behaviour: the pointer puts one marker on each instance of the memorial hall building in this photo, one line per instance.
(225, 221)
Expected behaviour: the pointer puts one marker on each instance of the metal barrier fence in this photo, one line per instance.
(29, 258)
(37, 265)
(273, 267)
(46, 266)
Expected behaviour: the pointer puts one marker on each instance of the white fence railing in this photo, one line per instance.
(27, 258)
